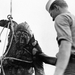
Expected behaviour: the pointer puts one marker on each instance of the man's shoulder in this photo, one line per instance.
(65, 16)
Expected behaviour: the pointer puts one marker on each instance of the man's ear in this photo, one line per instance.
(56, 7)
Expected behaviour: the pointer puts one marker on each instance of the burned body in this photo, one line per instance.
(23, 52)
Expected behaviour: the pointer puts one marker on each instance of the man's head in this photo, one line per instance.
(56, 7)
(22, 35)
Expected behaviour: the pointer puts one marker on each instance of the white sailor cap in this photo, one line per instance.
(49, 4)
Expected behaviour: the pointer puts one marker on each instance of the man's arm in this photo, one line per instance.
(47, 59)
(63, 57)
(37, 51)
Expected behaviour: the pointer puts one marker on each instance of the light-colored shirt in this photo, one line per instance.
(65, 28)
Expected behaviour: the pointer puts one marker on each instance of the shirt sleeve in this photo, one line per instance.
(63, 29)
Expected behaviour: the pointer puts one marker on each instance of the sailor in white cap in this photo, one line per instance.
(52, 7)
(65, 28)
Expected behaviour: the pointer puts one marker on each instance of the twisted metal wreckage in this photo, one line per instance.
(23, 51)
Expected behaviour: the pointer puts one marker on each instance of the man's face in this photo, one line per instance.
(54, 13)
(22, 37)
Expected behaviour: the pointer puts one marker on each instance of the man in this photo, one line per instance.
(23, 52)
(65, 28)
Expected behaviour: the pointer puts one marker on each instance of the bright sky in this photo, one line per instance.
(35, 14)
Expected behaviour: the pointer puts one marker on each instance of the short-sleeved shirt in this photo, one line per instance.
(65, 27)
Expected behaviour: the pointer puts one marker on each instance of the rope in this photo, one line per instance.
(1, 33)
(5, 39)
(3, 52)
(10, 23)
(10, 40)
(2, 59)
(11, 8)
